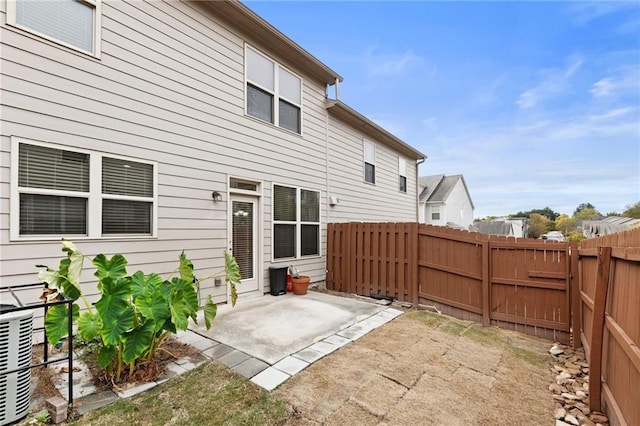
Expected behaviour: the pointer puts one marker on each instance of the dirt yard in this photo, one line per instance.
(427, 369)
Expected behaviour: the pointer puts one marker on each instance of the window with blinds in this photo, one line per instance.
(127, 189)
(72, 22)
(274, 94)
(57, 188)
(55, 191)
(296, 222)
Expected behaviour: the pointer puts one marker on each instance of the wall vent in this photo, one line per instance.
(16, 330)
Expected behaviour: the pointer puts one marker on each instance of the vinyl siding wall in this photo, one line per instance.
(359, 200)
(169, 88)
(458, 207)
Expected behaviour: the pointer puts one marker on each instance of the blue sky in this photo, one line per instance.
(536, 103)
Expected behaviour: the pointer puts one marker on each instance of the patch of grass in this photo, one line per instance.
(453, 327)
(527, 356)
(485, 336)
(211, 394)
(427, 318)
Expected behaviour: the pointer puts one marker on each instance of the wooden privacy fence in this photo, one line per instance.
(609, 312)
(547, 289)
(519, 284)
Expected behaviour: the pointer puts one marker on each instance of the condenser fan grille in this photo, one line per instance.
(16, 330)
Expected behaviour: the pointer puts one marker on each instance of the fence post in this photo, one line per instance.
(413, 263)
(597, 328)
(574, 286)
(349, 264)
(486, 283)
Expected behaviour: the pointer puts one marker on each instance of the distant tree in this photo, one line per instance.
(565, 224)
(632, 210)
(537, 225)
(612, 214)
(575, 236)
(586, 213)
(546, 212)
(582, 207)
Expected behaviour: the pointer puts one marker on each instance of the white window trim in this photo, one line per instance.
(364, 157)
(275, 92)
(437, 211)
(298, 222)
(94, 196)
(97, 27)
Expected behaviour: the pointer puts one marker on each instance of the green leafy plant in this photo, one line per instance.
(135, 313)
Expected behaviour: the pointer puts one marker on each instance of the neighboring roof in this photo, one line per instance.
(260, 31)
(609, 225)
(436, 188)
(496, 227)
(350, 116)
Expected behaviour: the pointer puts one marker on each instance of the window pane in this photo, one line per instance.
(369, 173)
(237, 184)
(289, 116)
(289, 86)
(403, 184)
(284, 203)
(51, 215)
(121, 177)
(259, 103)
(242, 229)
(310, 240)
(309, 206)
(49, 168)
(284, 241)
(402, 166)
(369, 152)
(126, 217)
(69, 21)
(260, 70)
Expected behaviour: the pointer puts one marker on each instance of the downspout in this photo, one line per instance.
(420, 161)
(326, 177)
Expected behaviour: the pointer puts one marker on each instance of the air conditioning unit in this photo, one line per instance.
(16, 329)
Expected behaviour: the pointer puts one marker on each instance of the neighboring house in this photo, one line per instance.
(445, 201)
(520, 225)
(494, 227)
(147, 128)
(608, 225)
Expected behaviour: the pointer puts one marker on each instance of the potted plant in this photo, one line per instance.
(300, 282)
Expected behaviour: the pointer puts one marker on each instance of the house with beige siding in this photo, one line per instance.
(151, 127)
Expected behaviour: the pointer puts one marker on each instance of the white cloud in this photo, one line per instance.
(554, 81)
(393, 64)
(585, 12)
(624, 80)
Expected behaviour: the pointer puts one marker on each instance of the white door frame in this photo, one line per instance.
(255, 197)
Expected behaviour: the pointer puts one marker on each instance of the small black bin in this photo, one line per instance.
(278, 280)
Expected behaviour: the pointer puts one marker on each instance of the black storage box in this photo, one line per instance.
(278, 280)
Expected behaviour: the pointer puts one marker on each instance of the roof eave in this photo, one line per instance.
(263, 34)
(342, 111)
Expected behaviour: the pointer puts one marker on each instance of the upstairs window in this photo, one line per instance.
(296, 222)
(64, 192)
(73, 23)
(369, 162)
(402, 172)
(274, 94)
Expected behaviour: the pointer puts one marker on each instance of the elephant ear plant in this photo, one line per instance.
(135, 313)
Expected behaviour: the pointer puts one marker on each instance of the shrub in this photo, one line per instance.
(135, 313)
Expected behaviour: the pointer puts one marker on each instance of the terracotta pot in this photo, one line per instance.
(300, 284)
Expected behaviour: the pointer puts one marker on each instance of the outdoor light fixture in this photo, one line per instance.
(216, 196)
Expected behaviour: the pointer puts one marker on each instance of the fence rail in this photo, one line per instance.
(547, 289)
